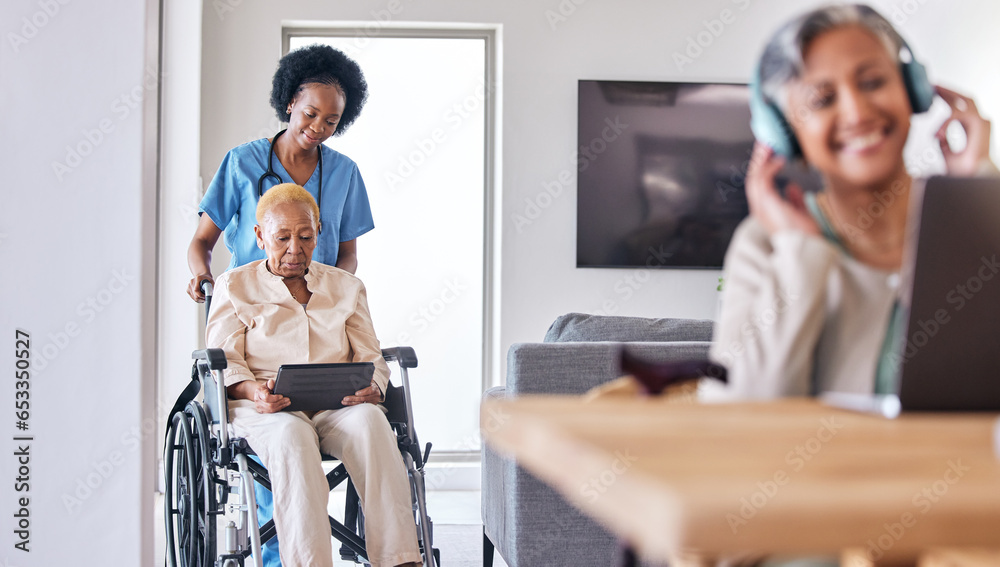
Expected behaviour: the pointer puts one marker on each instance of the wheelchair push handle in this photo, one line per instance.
(206, 287)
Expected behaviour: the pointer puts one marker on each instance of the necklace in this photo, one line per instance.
(287, 282)
(295, 295)
(853, 234)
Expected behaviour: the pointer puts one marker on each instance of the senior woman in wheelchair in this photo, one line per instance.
(287, 309)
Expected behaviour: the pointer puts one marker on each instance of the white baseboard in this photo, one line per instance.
(446, 472)
(451, 475)
(451, 472)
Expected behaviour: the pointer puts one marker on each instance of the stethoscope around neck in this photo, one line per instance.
(270, 173)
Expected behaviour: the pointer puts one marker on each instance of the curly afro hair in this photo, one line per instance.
(319, 64)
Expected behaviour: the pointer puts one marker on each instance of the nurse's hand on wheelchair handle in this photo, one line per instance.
(194, 287)
(369, 395)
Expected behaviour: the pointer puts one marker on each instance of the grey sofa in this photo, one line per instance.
(525, 520)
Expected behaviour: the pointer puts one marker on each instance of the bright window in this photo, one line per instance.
(420, 144)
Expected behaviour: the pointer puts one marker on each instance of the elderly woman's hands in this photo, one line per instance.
(369, 395)
(974, 158)
(261, 395)
(766, 204)
(267, 402)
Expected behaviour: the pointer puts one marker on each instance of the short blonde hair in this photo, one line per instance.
(286, 193)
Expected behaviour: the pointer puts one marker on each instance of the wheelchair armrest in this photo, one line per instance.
(404, 355)
(215, 357)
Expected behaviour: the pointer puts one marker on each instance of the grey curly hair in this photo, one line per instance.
(782, 60)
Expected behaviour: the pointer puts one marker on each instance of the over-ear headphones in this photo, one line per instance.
(770, 126)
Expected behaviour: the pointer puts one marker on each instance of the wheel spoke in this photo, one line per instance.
(204, 487)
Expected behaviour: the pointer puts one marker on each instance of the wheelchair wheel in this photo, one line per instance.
(190, 498)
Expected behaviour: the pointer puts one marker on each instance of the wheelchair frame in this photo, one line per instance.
(199, 445)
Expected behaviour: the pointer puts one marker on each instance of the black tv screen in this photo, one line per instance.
(660, 175)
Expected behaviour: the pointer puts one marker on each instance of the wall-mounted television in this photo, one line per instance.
(660, 172)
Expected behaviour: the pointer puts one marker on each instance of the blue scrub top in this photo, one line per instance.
(231, 201)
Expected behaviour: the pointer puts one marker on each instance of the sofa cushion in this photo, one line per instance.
(581, 327)
(574, 368)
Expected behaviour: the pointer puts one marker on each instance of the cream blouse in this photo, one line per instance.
(260, 326)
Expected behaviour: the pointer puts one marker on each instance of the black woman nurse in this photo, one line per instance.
(319, 92)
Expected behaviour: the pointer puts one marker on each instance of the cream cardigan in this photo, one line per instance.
(799, 316)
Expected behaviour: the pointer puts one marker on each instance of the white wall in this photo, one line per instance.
(547, 47)
(78, 258)
(180, 192)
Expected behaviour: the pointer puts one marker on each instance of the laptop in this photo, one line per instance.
(951, 360)
(951, 276)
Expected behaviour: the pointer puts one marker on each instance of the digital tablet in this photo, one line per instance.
(314, 387)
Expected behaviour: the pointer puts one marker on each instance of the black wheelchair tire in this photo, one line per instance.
(190, 485)
(176, 476)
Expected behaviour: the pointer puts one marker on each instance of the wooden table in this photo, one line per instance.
(791, 476)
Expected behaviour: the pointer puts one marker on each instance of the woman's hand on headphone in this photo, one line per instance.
(974, 158)
(766, 204)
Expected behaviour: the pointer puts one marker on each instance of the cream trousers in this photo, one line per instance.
(289, 445)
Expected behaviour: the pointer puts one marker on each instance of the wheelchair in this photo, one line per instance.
(206, 466)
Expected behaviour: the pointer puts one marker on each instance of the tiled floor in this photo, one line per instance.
(456, 517)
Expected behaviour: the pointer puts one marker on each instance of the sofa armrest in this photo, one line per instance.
(493, 468)
(574, 368)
